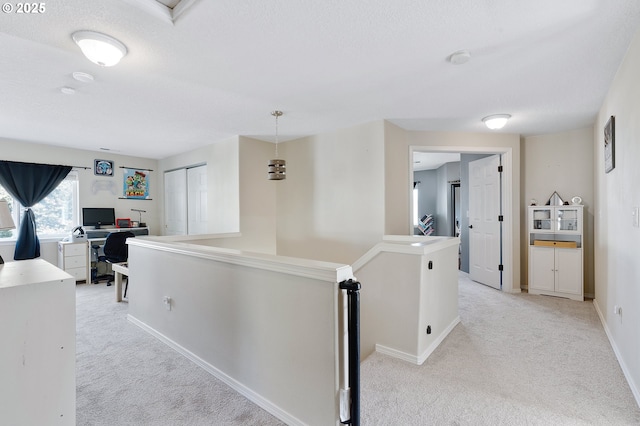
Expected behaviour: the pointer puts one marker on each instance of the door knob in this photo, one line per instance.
(470, 226)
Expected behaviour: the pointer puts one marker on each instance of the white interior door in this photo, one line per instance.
(197, 200)
(484, 227)
(175, 202)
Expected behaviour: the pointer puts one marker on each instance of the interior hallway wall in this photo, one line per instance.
(240, 198)
(446, 173)
(559, 162)
(398, 146)
(331, 206)
(616, 239)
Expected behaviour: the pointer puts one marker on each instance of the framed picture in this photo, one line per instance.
(610, 145)
(103, 168)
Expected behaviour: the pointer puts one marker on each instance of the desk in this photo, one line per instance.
(119, 269)
(98, 237)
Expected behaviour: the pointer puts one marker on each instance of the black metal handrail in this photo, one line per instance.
(353, 326)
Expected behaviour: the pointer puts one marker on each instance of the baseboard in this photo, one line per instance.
(385, 350)
(525, 289)
(239, 387)
(432, 347)
(418, 359)
(623, 366)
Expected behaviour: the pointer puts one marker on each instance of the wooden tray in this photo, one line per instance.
(561, 244)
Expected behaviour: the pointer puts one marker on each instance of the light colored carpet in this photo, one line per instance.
(125, 376)
(513, 360)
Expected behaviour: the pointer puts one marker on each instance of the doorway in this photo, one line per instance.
(510, 215)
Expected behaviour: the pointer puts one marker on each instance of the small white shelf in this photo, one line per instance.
(555, 251)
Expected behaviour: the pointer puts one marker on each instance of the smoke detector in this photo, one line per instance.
(460, 57)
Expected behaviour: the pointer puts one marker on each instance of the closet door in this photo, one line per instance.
(175, 202)
(197, 200)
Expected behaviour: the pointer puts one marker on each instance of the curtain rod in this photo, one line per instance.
(46, 164)
(136, 168)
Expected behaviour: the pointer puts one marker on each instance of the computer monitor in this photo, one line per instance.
(98, 216)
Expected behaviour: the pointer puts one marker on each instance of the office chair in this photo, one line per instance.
(115, 251)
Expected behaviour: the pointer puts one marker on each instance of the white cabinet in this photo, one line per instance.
(555, 251)
(72, 258)
(38, 335)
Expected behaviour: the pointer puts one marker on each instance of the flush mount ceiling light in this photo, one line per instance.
(100, 48)
(277, 167)
(460, 57)
(496, 121)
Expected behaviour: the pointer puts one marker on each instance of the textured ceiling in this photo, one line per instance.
(218, 68)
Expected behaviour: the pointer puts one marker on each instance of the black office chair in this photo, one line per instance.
(115, 251)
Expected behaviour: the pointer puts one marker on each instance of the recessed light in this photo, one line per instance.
(68, 90)
(83, 77)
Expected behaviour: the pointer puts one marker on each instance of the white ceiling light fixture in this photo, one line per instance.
(496, 121)
(99, 48)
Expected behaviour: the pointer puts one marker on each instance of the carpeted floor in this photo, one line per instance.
(125, 376)
(513, 360)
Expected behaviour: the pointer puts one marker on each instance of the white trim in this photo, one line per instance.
(432, 347)
(385, 350)
(323, 271)
(152, 7)
(159, 10)
(507, 201)
(625, 370)
(418, 360)
(239, 387)
(406, 244)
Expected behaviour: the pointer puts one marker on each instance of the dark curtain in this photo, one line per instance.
(29, 184)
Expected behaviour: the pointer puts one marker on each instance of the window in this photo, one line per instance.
(415, 207)
(56, 215)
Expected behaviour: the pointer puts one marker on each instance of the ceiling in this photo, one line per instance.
(433, 160)
(199, 71)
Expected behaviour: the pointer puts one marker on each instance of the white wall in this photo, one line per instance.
(398, 164)
(331, 206)
(446, 173)
(90, 194)
(223, 199)
(265, 326)
(617, 269)
(240, 197)
(560, 162)
(257, 195)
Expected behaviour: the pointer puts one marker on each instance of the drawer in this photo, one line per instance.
(79, 273)
(75, 249)
(75, 262)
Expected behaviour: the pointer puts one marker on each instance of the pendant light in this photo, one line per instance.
(277, 167)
